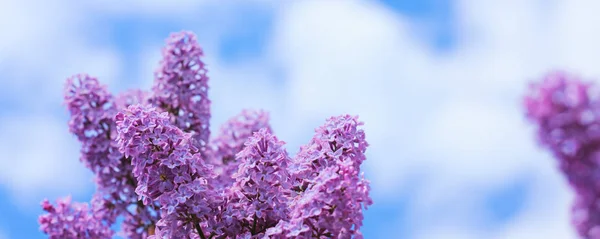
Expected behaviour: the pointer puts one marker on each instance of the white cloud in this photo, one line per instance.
(478, 142)
(546, 214)
(151, 7)
(40, 159)
(26, 24)
(45, 47)
(182, 9)
(42, 44)
(448, 233)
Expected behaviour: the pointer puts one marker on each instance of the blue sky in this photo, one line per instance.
(437, 82)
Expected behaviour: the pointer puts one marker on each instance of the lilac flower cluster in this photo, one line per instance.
(566, 111)
(330, 189)
(157, 168)
(262, 190)
(69, 220)
(168, 168)
(92, 110)
(230, 140)
(181, 87)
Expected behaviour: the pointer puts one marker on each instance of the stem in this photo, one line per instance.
(199, 230)
(254, 225)
(312, 226)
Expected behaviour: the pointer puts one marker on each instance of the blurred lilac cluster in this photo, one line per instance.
(157, 169)
(73, 220)
(566, 111)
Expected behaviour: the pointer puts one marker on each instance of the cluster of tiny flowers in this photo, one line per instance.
(230, 140)
(330, 189)
(261, 193)
(69, 220)
(157, 168)
(181, 87)
(566, 112)
(92, 109)
(168, 168)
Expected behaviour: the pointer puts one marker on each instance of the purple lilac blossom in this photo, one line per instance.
(262, 187)
(564, 109)
(331, 191)
(168, 169)
(181, 87)
(69, 220)
(230, 141)
(92, 110)
(157, 171)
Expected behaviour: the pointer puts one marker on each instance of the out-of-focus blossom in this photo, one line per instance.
(566, 111)
(69, 220)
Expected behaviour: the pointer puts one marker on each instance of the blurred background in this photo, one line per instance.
(438, 84)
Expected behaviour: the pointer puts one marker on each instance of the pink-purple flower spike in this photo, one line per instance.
(158, 171)
(181, 86)
(262, 192)
(93, 110)
(331, 190)
(69, 220)
(230, 141)
(566, 113)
